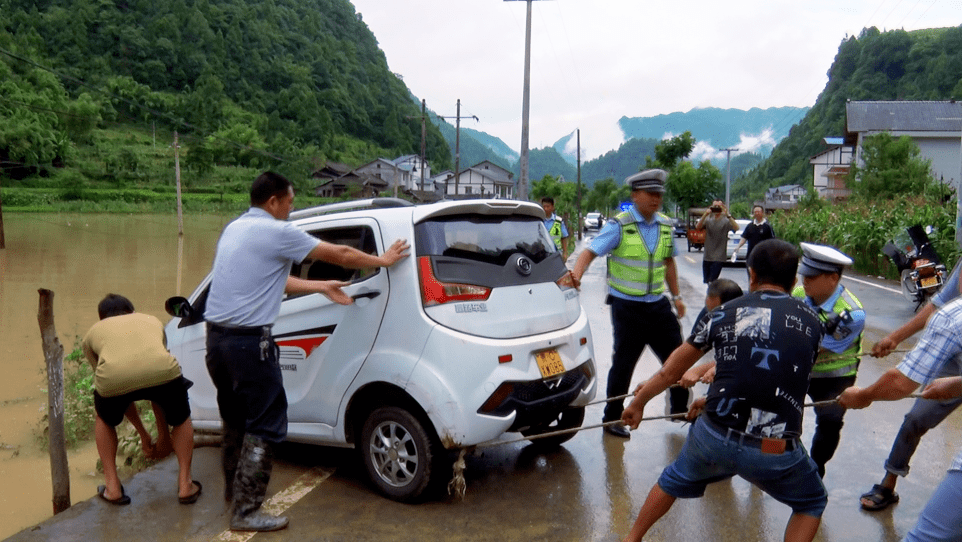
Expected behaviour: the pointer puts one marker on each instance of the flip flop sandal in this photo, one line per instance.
(192, 498)
(880, 497)
(122, 500)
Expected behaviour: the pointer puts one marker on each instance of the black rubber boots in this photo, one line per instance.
(250, 486)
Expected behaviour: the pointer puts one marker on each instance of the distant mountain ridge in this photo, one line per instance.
(714, 128)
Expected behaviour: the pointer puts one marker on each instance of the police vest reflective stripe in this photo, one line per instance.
(555, 232)
(632, 268)
(845, 363)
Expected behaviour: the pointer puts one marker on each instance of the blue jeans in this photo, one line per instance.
(941, 519)
(925, 415)
(709, 456)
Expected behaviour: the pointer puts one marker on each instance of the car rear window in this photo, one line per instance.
(488, 239)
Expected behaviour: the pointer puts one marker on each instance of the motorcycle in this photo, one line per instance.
(921, 271)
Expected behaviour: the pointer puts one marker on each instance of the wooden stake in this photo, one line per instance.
(53, 355)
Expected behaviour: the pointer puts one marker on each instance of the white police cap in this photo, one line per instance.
(650, 180)
(819, 259)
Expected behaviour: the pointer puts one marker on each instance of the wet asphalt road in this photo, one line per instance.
(591, 489)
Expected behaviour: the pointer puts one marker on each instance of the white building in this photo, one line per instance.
(484, 180)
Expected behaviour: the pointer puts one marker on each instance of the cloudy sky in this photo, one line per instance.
(594, 61)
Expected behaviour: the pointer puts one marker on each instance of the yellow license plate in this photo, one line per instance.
(928, 282)
(549, 362)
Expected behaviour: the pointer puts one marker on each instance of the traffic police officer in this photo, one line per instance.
(641, 250)
(556, 226)
(835, 368)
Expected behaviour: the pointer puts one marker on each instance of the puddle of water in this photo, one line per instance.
(80, 258)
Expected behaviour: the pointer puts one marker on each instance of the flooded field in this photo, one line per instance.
(80, 258)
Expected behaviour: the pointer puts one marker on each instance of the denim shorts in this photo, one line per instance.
(709, 456)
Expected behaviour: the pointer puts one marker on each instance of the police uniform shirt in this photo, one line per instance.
(609, 238)
(848, 330)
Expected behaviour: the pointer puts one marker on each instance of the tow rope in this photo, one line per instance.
(458, 486)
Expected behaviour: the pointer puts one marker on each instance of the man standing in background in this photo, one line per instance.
(556, 226)
(717, 223)
(756, 232)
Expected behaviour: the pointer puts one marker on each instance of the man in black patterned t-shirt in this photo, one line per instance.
(764, 345)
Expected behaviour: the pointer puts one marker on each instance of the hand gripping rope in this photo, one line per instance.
(458, 487)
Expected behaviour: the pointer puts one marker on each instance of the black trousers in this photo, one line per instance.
(828, 418)
(636, 325)
(250, 389)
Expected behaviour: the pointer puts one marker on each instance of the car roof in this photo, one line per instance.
(419, 213)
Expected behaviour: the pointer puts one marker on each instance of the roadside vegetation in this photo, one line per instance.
(79, 416)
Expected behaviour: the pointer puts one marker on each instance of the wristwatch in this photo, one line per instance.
(676, 297)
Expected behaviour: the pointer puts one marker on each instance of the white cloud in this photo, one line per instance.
(594, 62)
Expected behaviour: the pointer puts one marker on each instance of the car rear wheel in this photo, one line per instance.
(399, 452)
(570, 418)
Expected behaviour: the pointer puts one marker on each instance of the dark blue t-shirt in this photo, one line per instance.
(764, 345)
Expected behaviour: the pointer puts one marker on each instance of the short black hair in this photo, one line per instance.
(724, 289)
(268, 184)
(774, 261)
(547, 199)
(114, 305)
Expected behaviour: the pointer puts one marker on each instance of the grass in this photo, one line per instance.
(79, 415)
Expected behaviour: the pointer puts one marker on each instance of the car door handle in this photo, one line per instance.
(367, 295)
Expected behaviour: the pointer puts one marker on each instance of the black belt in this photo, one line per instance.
(765, 444)
(260, 331)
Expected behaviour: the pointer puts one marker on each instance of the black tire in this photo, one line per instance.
(400, 454)
(570, 418)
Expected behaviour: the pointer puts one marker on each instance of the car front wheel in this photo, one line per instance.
(399, 453)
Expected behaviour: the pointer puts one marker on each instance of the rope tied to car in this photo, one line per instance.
(458, 486)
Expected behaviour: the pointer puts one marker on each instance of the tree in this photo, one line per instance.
(692, 186)
(891, 167)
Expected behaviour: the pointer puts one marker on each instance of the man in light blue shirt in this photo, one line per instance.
(925, 413)
(938, 353)
(641, 262)
(251, 273)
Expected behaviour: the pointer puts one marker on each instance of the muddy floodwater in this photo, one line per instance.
(80, 258)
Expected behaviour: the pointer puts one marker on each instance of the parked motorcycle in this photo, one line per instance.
(921, 271)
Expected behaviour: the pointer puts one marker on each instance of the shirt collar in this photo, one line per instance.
(639, 218)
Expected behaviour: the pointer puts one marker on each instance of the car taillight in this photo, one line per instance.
(435, 292)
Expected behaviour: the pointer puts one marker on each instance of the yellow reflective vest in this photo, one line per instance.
(633, 269)
(830, 364)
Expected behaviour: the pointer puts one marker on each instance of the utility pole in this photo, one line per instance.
(424, 135)
(728, 178)
(578, 224)
(457, 144)
(525, 107)
(3, 243)
(180, 212)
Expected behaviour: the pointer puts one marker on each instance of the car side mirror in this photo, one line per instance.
(179, 307)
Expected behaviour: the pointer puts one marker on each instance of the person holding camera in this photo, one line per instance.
(716, 222)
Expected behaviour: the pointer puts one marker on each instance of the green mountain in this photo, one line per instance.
(283, 80)
(894, 65)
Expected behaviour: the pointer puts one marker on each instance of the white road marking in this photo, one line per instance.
(282, 500)
(867, 283)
